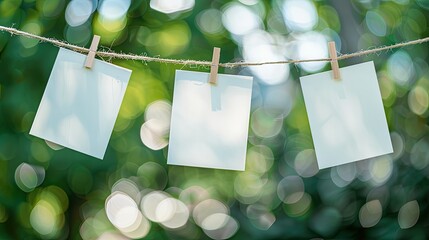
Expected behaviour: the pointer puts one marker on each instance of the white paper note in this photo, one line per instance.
(79, 106)
(209, 124)
(347, 119)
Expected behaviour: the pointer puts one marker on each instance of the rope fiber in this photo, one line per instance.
(64, 44)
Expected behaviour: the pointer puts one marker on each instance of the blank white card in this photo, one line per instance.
(79, 106)
(347, 119)
(209, 123)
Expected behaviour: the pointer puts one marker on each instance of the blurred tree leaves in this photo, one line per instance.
(333, 203)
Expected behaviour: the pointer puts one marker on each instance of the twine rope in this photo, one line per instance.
(63, 44)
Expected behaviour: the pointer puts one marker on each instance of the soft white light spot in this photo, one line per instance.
(312, 45)
(215, 221)
(299, 15)
(168, 6)
(78, 12)
(139, 230)
(114, 9)
(172, 213)
(207, 208)
(165, 209)
(149, 205)
(220, 226)
(154, 134)
(380, 169)
(128, 187)
(121, 210)
(400, 67)
(260, 46)
(240, 20)
(161, 111)
(154, 131)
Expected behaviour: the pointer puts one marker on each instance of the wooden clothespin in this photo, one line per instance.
(215, 66)
(334, 62)
(92, 50)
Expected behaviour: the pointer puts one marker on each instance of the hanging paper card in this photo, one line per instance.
(347, 119)
(209, 123)
(79, 107)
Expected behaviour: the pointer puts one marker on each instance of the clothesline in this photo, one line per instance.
(128, 56)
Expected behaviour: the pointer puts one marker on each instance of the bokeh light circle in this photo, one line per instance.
(28, 176)
(219, 226)
(207, 208)
(299, 15)
(306, 163)
(170, 7)
(409, 214)
(78, 12)
(239, 19)
(121, 210)
(370, 213)
(290, 189)
(149, 204)
(113, 9)
(172, 213)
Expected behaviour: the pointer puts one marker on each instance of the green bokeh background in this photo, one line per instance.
(374, 198)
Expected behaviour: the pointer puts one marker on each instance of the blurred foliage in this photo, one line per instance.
(52, 193)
